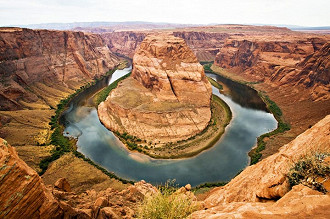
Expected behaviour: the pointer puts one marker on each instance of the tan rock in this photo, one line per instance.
(187, 187)
(22, 191)
(108, 212)
(166, 99)
(63, 185)
(101, 202)
(297, 61)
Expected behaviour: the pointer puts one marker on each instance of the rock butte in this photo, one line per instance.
(167, 97)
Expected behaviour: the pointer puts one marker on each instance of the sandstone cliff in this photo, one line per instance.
(24, 195)
(205, 41)
(275, 61)
(22, 192)
(205, 45)
(262, 189)
(39, 65)
(166, 99)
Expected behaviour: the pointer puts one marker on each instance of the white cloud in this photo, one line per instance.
(297, 12)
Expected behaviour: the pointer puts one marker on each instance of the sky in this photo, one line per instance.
(291, 12)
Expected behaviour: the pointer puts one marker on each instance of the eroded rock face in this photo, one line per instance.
(22, 192)
(267, 180)
(24, 195)
(55, 59)
(166, 99)
(297, 61)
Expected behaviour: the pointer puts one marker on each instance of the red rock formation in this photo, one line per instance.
(124, 42)
(277, 62)
(205, 41)
(54, 58)
(22, 192)
(205, 45)
(24, 195)
(166, 99)
(244, 195)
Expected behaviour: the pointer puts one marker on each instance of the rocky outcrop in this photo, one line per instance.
(166, 99)
(32, 61)
(245, 194)
(24, 195)
(300, 202)
(275, 61)
(22, 192)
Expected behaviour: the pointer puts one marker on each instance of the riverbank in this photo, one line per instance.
(64, 145)
(263, 140)
(220, 118)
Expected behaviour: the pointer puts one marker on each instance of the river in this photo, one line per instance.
(219, 163)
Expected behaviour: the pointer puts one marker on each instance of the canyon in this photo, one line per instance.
(38, 68)
(289, 67)
(260, 190)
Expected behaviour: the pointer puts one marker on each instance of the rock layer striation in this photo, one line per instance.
(167, 97)
(36, 65)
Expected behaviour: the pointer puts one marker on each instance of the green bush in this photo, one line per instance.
(309, 170)
(167, 204)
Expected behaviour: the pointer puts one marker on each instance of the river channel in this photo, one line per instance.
(219, 163)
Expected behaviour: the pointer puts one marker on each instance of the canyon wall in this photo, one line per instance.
(23, 194)
(297, 60)
(166, 99)
(37, 63)
(205, 41)
(205, 45)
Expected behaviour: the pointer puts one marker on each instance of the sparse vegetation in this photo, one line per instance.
(311, 170)
(215, 83)
(63, 144)
(103, 94)
(210, 185)
(168, 203)
(281, 127)
(207, 66)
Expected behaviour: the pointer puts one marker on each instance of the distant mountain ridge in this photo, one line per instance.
(144, 25)
(113, 25)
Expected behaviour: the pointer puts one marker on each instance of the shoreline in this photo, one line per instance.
(220, 118)
(63, 144)
(255, 152)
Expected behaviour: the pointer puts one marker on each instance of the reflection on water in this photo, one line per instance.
(241, 94)
(219, 163)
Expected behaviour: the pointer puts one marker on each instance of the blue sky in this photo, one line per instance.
(294, 12)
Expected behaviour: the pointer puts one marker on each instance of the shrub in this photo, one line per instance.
(311, 171)
(167, 204)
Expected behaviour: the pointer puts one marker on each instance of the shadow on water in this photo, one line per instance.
(219, 163)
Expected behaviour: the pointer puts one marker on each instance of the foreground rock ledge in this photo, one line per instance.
(167, 97)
